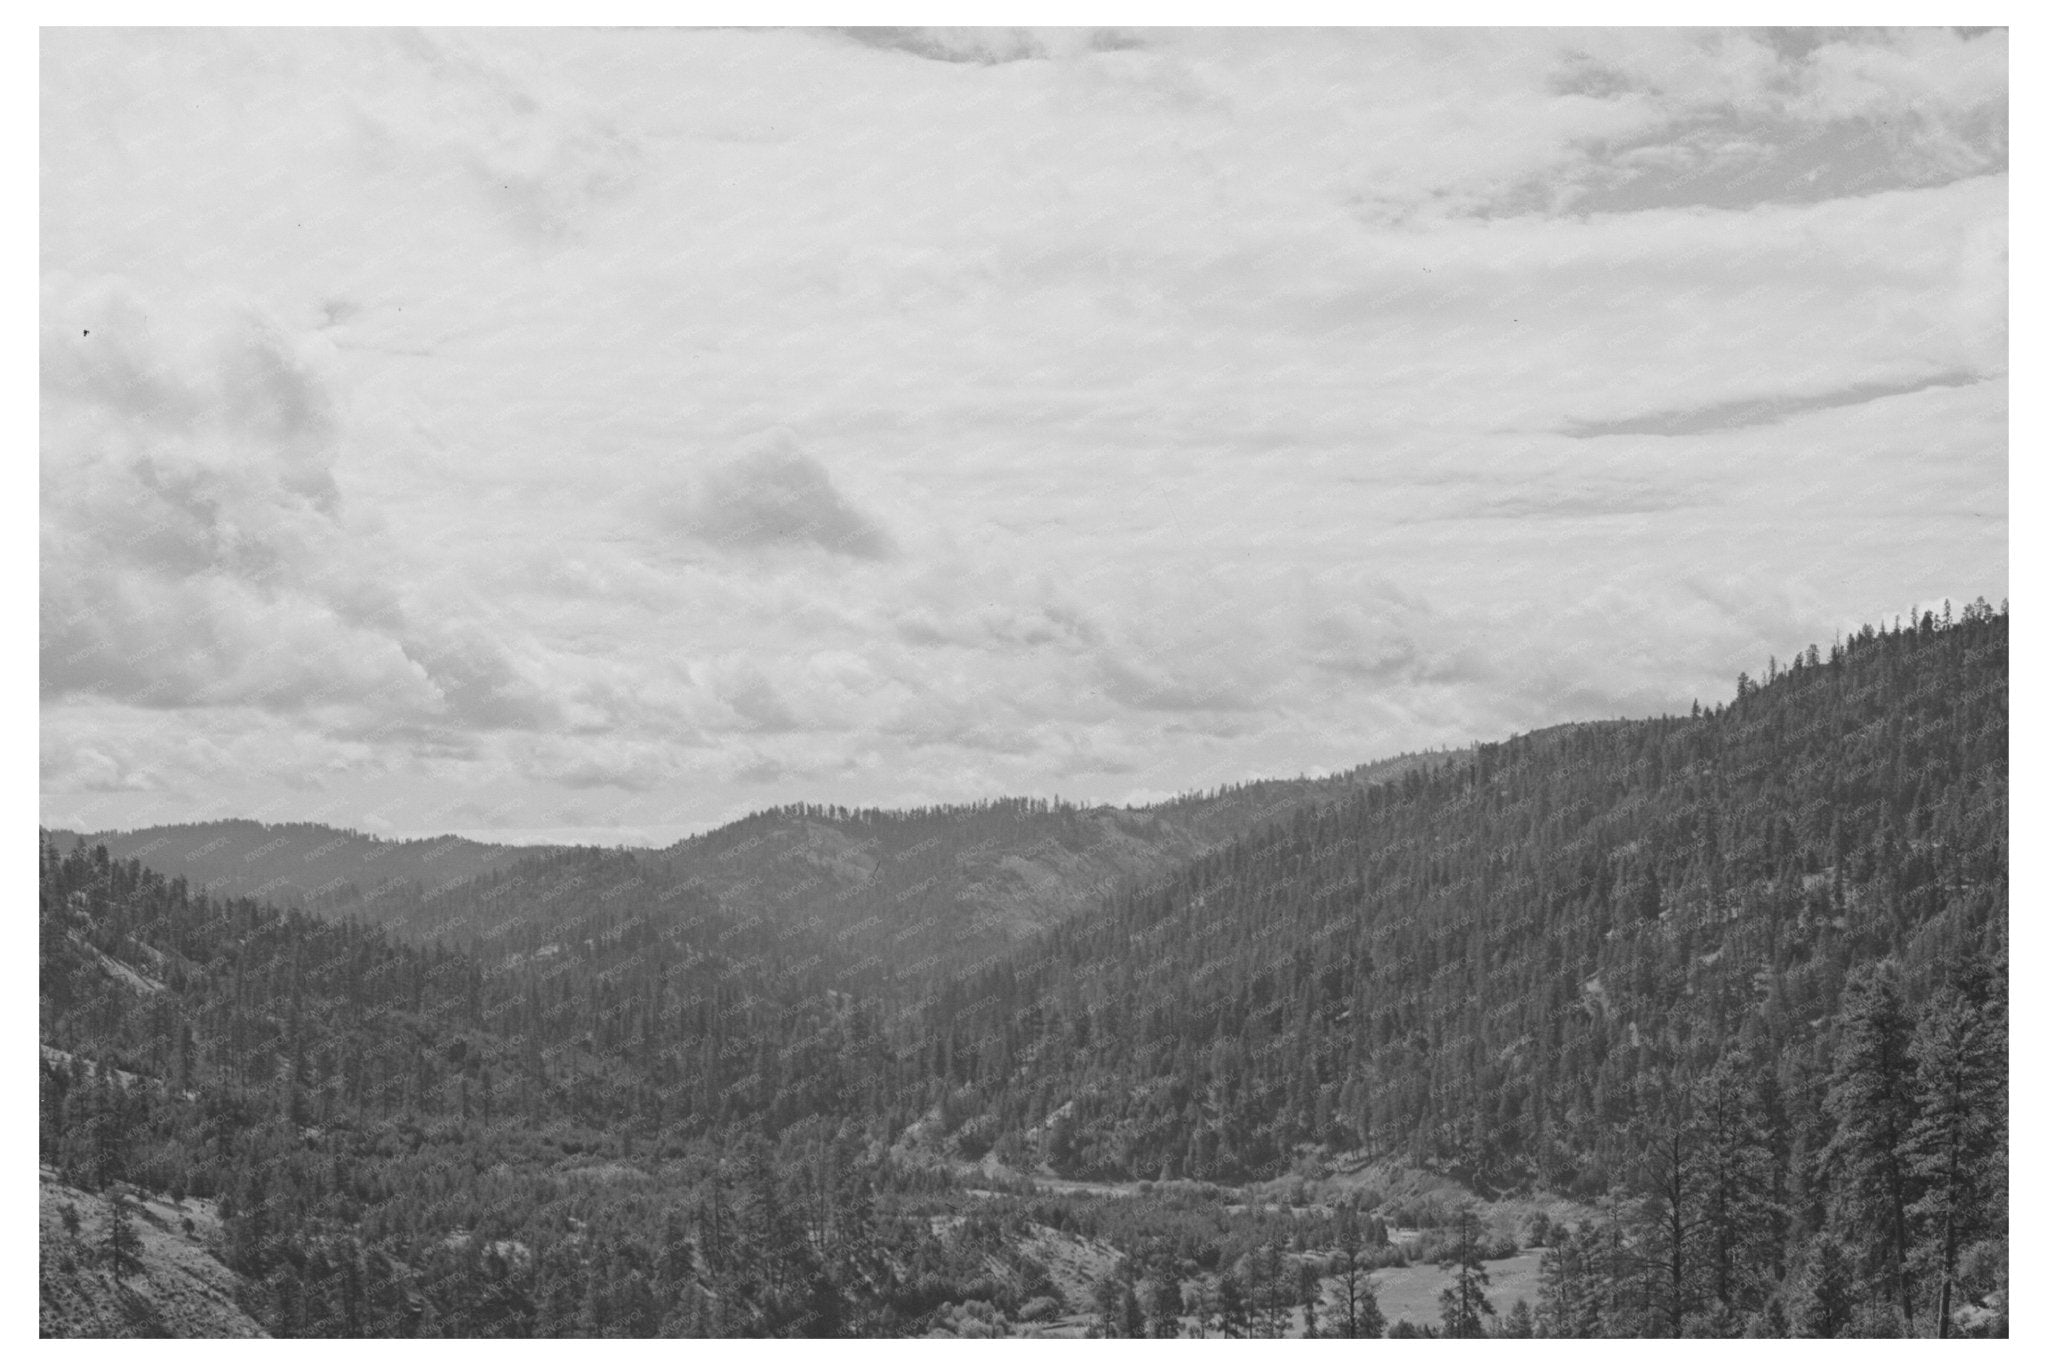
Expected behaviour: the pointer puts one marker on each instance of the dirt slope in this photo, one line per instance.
(180, 1291)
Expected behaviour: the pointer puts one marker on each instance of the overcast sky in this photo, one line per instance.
(600, 435)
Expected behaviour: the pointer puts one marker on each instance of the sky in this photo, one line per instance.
(598, 435)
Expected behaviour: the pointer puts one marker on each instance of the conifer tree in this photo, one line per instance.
(1232, 1311)
(1560, 1310)
(1669, 1216)
(1463, 1303)
(1826, 1292)
(1952, 1147)
(1163, 1304)
(1870, 1098)
(1743, 1221)
(124, 1244)
(1359, 1309)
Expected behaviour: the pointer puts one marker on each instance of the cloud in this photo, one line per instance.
(1577, 499)
(1145, 686)
(190, 517)
(970, 601)
(1723, 159)
(605, 762)
(1766, 411)
(196, 549)
(978, 46)
(1732, 120)
(542, 156)
(754, 700)
(480, 686)
(773, 495)
(1384, 638)
(1191, 405)
(996, 46)
(75, 763)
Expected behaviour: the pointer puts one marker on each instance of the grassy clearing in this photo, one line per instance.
(1411, 1291)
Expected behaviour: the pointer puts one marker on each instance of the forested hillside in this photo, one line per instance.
(1552, 965)
(1735, 980)
(889, 900)
(335, 871)
(1483, 966)
(911, 895)
(408, 1140)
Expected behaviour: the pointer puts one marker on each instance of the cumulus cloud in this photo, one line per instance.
(196, 548)
(189, 513)
(773, 495)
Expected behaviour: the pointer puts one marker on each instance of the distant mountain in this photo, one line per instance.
(891, 897)
(306, 865)
(911, 894)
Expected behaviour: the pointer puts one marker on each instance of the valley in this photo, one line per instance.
(1597, 1020)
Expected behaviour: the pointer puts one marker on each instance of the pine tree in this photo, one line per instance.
(1109, 1314)
(1163, 1305)
(1825, 1298)
(1359, 1306)
(55, 1121)
(1463, 1303)
(109, 1111)
(124, 1244)
(1264, 1291)
(1743, 1222)
(1232, 1311)
(1130, 1314)
(1669, 1216)
(1568, 1300)
(1870, 1099)
(1952, 1147)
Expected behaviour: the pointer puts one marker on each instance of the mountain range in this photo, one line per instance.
(1725, 988)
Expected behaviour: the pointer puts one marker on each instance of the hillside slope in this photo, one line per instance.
(1497, 966)
(884, 899)
(912, 895)
(314, 866)
(177, 1288)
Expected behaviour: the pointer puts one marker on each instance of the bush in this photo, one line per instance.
(1440, 1244)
